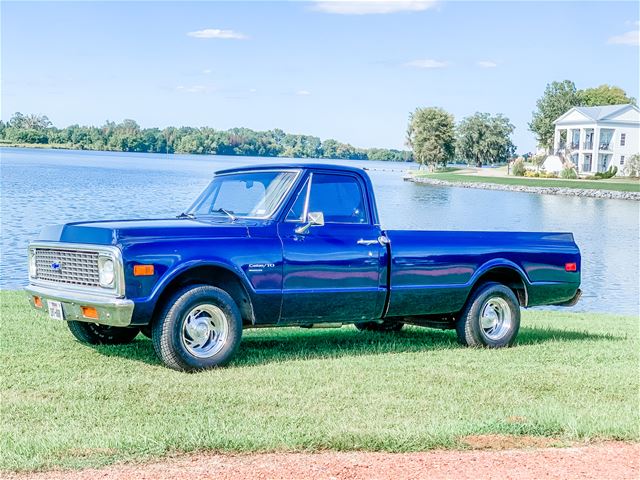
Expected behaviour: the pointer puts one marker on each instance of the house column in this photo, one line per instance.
(595, 158)
(556, 141)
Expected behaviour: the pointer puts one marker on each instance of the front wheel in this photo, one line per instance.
(95, 334)
(200, 327)
(491, 317)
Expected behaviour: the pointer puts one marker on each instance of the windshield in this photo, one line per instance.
(244, 194)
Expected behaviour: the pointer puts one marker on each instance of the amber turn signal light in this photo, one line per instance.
(142, 270)
(89, 312)
(37, 301)
(571, 267)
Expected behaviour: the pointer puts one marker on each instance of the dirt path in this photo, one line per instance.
(611, 460)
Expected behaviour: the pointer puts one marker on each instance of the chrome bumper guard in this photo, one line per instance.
(112, 311)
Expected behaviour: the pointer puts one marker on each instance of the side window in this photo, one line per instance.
(338, 197)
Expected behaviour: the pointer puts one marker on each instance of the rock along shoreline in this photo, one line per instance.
(571, 192)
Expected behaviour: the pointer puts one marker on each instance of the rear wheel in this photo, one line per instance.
(199, 328)
(386, 326)
(491, 317)
(95, 334)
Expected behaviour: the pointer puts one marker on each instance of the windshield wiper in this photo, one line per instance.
(227, 212)
(186, 215)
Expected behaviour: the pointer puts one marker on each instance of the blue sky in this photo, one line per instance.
(349, 71)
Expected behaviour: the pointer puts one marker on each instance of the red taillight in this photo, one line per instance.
(571, 267)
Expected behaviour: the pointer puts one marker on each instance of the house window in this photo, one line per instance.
(621, 159)
(623, 139)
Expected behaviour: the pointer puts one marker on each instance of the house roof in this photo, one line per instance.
(598, 113)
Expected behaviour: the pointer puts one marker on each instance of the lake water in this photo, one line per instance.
(41, 187)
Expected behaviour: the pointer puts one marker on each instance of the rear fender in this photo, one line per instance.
(494, 266)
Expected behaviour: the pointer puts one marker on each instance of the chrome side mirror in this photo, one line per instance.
(314, 219)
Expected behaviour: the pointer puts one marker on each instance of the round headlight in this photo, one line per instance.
(33, 269)
(106, 273)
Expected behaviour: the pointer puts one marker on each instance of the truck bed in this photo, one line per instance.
(433, 272)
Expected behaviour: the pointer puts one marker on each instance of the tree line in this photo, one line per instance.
(478, 139)
(128, 136)
(483, 138)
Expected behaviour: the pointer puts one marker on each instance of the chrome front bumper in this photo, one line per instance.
(112, 311)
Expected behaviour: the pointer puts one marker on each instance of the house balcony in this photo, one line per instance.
(605, 146)
(575, 146)
(587, 145)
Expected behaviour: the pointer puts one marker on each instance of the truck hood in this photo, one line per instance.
(114, 232)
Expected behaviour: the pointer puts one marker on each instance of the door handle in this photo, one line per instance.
(367, 242)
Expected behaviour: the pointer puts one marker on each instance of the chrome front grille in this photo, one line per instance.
(72, 267)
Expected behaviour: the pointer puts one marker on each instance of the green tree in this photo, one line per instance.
(128, 136)
(431, 136)
(558, 98)
(604, 95)
(485, 139)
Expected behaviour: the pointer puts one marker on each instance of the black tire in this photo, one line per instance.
(496, 301)
(384, 327)
(170, 331)
(95, 334)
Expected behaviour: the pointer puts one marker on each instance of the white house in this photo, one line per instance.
(596, 138)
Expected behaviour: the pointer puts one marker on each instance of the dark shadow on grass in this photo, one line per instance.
(530, 336)
(265, 346)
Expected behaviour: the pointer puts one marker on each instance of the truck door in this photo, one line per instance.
(335, 271)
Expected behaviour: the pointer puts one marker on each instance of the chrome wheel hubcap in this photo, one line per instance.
(204, 331)
(495, 318)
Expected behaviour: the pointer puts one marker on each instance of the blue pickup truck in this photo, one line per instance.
(289, 245)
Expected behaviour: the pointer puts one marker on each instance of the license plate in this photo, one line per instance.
(55, 310)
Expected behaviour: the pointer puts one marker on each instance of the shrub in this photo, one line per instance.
(608, 174)
(518, 168)
(568, 173)
(632, 167)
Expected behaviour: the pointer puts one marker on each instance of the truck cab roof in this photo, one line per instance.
(295, 165)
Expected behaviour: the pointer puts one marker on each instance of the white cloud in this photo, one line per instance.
(628, 38)
(217, 33)
(253, 90)
(207, 71)
(303, 93)
(365, 7)
(487, 64)
(426, 63)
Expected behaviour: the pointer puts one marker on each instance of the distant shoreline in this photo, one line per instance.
(572, 192)
(64, 146)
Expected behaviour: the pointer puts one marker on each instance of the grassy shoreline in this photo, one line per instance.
(572, 377)
(620, 185)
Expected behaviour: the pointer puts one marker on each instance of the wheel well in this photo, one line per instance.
(508, 277)
(217, 277)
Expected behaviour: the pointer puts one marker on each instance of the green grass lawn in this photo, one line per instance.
(573, 377)
(623, 184)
